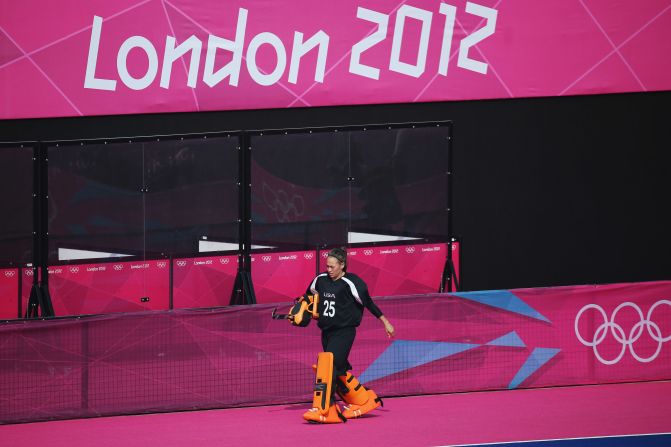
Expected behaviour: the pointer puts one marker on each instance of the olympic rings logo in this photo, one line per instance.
(10, 273)
(368, 252)
(266, 258)
(118, 267)
(618, 332)
(74, 269)
(224, 260)
(287, 208)
(409, 250)
(181, 263)
(308, 255)
(161, 265)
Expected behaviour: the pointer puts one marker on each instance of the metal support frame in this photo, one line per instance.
(243, 290)
(449, 276)
(39, 303)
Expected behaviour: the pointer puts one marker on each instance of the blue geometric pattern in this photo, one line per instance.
(95, 190)
(402, 355)
(511, 339)
(537, 358)
(502, 299)
(662, 440)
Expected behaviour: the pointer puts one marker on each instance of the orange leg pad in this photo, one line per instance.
(352, 411)
(333, 416)
(356, 393)
(359, 399)
(321, 398)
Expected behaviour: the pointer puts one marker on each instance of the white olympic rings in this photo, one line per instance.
(618, 332)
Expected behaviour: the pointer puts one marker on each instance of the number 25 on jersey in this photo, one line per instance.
(329, 310)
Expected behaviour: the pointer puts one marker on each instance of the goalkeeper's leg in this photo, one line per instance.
(324, 410)
(359, 399)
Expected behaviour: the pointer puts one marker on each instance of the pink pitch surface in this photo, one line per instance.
(469, 418)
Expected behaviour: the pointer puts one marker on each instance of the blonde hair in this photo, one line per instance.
(340, 254)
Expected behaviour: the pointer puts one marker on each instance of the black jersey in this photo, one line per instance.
(341, 302)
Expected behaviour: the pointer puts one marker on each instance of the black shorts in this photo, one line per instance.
(339, 342)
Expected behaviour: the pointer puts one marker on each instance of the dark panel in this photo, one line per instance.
(399, 182)
(16, 204)
(191, 192)
(547, 191)
(96, 198)
(300, 193)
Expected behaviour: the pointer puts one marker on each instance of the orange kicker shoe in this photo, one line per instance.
(334, 416)
(352, 411)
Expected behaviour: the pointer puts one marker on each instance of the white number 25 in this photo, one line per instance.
(330, 308)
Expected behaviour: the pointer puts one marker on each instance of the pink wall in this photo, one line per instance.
(281, 277)
(203, 282)
(399, 269)
(105, 287)
(190, 359)
(278, 277)
(70, 58)
(9, 290)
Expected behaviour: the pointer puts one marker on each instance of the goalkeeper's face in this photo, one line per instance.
(334, 268)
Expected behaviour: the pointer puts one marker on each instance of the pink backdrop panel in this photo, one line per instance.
(281, 277)
(606, 333)
(398, 269)
(9, 293)
(103, 57)
(203, 282)
(465, 341)
(456, 253)
(520, 338)
(105, 288)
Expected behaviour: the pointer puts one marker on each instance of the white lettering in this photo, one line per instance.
(173, 53)
(431, 249)
(90, 81)
(231, 69)
(329, 311)
(227, 54)
(395, 63)
(139, 266)
(121, 62)
(301, 48)
(252, 68)
(450, 13)
(355, 66)
(482, 11)
(389, 252)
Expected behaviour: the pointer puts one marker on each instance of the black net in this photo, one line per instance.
(192, 193)
(399, 184)
(318, 188)
(16, 205)
(146, 199)
(96, 199)
(300, 189)
(238, 355)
